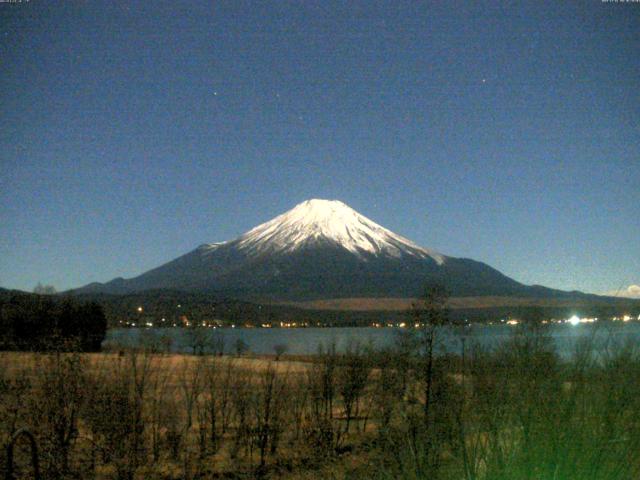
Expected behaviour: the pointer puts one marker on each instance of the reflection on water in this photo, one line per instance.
(302, 341)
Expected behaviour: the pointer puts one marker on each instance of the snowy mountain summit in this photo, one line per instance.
(320, 249)
(328, 222)
(323, 249)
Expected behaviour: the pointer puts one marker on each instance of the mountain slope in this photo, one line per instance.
(320, 249)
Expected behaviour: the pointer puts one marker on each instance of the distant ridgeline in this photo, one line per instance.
(166, 308)
(46, 322)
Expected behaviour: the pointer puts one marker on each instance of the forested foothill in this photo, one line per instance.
(196, 308)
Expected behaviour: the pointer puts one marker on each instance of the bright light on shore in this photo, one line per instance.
(575, 320)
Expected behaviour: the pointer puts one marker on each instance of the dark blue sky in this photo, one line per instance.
(507, 132)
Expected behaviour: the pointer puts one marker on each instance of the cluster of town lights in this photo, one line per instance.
(575, 320)
(184, 321)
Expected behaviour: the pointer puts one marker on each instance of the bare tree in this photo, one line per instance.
(431, 313)
(280, 349)
(41, 289)
(190, 386)
(15, 388)
(240, 401)
(197, 338)
(267, 412)
(59, 403)
(241, 347)
(321, 378)
(351, 380)
(298, 403)
(161, 407)
(217, 343)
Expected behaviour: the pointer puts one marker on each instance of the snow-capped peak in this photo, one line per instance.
(329, 220)
(210, 247)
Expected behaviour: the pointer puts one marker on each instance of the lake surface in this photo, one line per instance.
(304, 341)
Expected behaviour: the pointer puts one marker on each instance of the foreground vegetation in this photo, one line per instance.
(516, 412)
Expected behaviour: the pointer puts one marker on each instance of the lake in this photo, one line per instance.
(304, 341)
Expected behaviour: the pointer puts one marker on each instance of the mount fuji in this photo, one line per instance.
(321, 250)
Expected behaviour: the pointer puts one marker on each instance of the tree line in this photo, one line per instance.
(43, 322)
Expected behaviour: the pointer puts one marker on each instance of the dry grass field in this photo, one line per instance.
(27, 362)
(140, 415)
